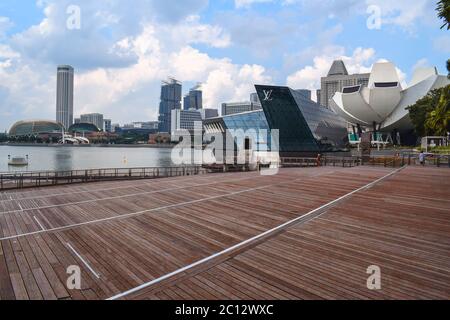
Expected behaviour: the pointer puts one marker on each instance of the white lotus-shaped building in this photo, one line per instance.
(383, 103)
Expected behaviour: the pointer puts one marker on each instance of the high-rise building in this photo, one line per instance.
(170, 100)
(93, 118)
(337, 79)
(194, 99)
(107, 125)
(64, 96)
(185, 120)
(187, 102)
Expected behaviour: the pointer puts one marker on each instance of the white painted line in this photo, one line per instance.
(133, 214)
(84, 261)
(121, 197)
(39, 223)
(142, 183)
(256, 238)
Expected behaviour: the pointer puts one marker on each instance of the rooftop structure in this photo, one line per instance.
(83, 127)
(382, 105)
(336, 80)
(34, 128)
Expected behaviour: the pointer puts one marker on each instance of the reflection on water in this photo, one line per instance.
(73, 158)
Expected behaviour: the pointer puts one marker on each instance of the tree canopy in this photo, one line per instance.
(431, 114)
(443, 9)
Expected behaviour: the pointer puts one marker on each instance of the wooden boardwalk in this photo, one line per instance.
(127, 234)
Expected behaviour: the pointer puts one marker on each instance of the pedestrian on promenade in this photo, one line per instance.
(422, 158)
(319, 160)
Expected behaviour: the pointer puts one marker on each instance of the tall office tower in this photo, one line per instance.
(64, 96)
(170, 100)
(194, 99)
(187, 102)
(337, 79)
(93, 118)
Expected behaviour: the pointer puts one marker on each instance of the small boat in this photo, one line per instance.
(17, 161)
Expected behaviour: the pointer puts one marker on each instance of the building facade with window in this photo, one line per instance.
(337, 79)
(94, 118)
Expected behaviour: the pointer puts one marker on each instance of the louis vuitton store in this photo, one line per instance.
(305, 127)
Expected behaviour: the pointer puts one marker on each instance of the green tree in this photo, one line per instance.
(420, 110)
(448, 68)
(438, 120)
(443, 9)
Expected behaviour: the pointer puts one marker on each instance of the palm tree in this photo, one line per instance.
(448, 68)
(438, 121)
(443, 9)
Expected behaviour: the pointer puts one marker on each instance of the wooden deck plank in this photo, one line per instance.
(397, 224)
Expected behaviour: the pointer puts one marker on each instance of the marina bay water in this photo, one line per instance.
(60, 158)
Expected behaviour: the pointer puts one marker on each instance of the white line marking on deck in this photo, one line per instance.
(84, 261)
(256, 238)
(133, 214)
(39, 223)
(121, 197)
(144, 183)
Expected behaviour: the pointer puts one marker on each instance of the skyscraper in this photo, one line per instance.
(194, 99)
(337, 79)
(170, 100)
(64, 96)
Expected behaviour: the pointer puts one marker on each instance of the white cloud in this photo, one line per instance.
(361, 61)
(118, 68)
(5, 24)
(248, 3)
(309, 77)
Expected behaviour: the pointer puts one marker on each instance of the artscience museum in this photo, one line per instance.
(382, 105)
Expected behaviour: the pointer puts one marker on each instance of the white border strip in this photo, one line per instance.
(84, 261)
(39, 223)
(239, 245)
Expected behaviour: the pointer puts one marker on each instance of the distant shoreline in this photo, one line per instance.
(44, 145)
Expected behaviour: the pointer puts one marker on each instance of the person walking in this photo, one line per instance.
(319, 160)
(422, 158)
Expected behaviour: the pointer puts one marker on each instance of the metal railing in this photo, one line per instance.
(289, 162)
(410, 160)
(19, 180)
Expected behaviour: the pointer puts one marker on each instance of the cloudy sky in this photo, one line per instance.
(123, 49)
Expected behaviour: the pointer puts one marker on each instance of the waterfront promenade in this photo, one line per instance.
(301, 234)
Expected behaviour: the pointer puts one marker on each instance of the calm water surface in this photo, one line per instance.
(73, 158)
